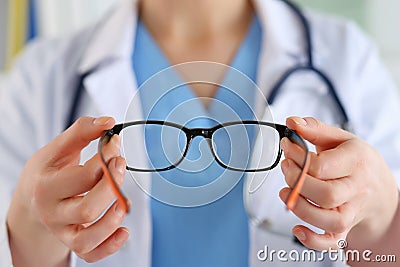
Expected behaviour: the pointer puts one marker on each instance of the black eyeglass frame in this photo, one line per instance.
(207, 133)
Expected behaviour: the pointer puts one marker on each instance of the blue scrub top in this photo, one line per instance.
(215, 234)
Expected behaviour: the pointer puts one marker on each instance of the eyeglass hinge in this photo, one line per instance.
(109, 132)
(288, 132)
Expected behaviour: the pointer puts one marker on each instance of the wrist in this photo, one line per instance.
(377, 226)
(387, 244)
(30, 241)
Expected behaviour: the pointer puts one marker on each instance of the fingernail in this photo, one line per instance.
(299, 121)
(119, 210)
(121, 236)
(284, 144)
(299, 234)
(120, 165)
(101, 121)
(285, 166)
(115, 141)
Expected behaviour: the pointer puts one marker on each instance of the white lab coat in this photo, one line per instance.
(36, 99)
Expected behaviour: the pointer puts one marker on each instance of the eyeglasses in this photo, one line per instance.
(229, 143)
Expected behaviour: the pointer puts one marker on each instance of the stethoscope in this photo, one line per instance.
(308, 66)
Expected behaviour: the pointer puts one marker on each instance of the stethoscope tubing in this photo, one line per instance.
(309, 65)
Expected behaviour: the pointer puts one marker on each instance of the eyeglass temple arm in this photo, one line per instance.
(122, 200)
(294, 194)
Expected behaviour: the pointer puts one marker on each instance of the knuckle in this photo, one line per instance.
(78, 246)
(290, 177)
(39, 189)
(93, 174)
(87, 213)
(340, 226)
(362, 163)
(114, 221)
(365, 192)
(46, 219)
(110, 249)
(44, 214)
(317, 126)
(37, 194)
(319, 167)
(313, 122)
(114, 217)
(289, 180)
(342, 223)
(82, 120)
(314, 139)
(331, 197)
(365, 154)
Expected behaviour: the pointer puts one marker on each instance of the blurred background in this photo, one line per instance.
(22, 20)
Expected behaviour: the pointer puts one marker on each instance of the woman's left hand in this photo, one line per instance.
(349, 191)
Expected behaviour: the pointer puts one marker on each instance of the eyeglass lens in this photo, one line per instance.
(166, 146)
(230, 145)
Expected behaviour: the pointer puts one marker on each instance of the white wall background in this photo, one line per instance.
(383, 24)
(381, 20)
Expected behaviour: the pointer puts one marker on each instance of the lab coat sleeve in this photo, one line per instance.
(377, 103)
(21, 133)
(5, 255)
(16, 140)
(363, 83)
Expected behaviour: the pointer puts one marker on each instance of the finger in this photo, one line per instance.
(83, 240)
(326, 194)
(316, 241)
(88, 208)
(67, 146)
(318, 133)
(108, 247)
(329, 164)
(336, 220)
(76, 180)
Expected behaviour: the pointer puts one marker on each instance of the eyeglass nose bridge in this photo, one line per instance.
(206, 133)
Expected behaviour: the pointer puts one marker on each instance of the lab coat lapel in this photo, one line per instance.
(111, 87)
(282, 47)
(111, 83)
(112, 37)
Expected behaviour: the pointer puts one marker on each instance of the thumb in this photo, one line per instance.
(68, 145)
(322, 135)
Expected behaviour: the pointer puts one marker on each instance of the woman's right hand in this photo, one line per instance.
(57, 203)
